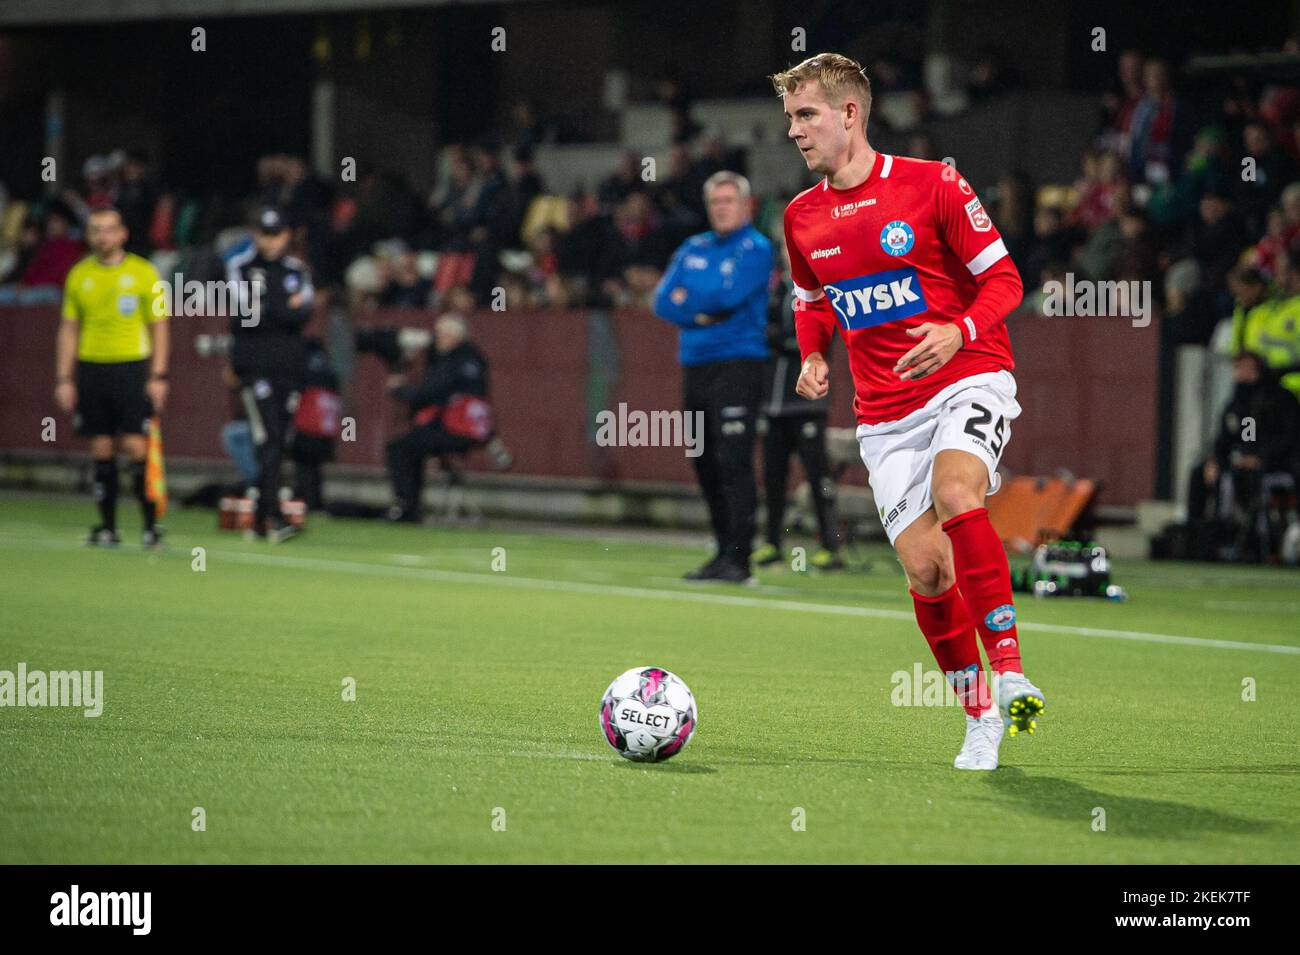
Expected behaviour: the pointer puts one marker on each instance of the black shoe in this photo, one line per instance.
(733, 572)
(152, 539)
(103, 537)
(705, 571)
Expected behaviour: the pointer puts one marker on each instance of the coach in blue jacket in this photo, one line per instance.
(715, 291)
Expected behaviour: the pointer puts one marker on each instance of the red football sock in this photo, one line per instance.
(984, 577)
(947, 628)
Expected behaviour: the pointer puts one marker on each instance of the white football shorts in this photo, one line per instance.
(973, 415)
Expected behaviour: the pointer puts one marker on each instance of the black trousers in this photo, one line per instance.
(406, 457)
(266, 402)
(309, 453)
(727, 394)
(805, 434)
(1203, 501)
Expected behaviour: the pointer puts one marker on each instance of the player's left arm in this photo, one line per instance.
(155, 303)
(965, 227)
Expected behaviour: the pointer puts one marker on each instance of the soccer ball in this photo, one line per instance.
(648, 714)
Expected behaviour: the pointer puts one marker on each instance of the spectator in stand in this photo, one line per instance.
(528, 127)
(381, 206)
(136, 197)
(990, 76)
(307, 201)
(675, 96)
(681, 198)
(456, 211)
(625, 180)
(635, 253)
(29, 240)
(1273, 170)
(485, 254)
(1190, 312)
(497, 208)
(58, 252)
(542, 277)
(1014, 213)
(921, 146)
(1161, 133)
(580, 253)
(527, 185)
(900, 102)
(1291, 215)
(1216, 240)
(1119, 105)
(1053, 241)
(1272, 246)
(714, 157)
(101, 179)
(1207, 169)
(1238, 105)
(1136, 260)
(1096, 190)
(404, 286)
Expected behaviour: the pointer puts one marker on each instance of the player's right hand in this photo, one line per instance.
(65, 396)
(814, 378)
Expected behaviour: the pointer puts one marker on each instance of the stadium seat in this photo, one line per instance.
(1029, 510)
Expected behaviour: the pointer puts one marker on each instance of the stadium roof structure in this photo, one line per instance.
(1282, 67)
(70, 12)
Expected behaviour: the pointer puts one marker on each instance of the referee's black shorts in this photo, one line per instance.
(111, 398)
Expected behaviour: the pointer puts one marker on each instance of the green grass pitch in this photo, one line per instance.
(477, 689)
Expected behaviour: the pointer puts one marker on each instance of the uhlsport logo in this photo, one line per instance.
(897, 238)
(870, 300)
(1001, 618)
(823, 253)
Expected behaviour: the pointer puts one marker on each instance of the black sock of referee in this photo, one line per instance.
(147, 507)
(106, 492)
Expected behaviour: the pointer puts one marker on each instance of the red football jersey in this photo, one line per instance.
(911, 244)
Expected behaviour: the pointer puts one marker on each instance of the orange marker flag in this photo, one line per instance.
(155, 475)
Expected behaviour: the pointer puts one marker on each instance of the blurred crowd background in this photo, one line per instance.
(566, 172)
(1159, 192)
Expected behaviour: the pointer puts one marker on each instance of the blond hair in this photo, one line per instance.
(840, 77)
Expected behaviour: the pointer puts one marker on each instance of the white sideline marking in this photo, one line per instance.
(681, 596)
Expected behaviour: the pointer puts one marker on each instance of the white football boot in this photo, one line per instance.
(983, 737)
(1020, 702)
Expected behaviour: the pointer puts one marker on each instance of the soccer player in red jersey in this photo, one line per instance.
(900, 255)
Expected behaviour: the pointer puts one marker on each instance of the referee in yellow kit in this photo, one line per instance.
(115, 330)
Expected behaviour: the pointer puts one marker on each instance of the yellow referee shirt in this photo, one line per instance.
(115, 305)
